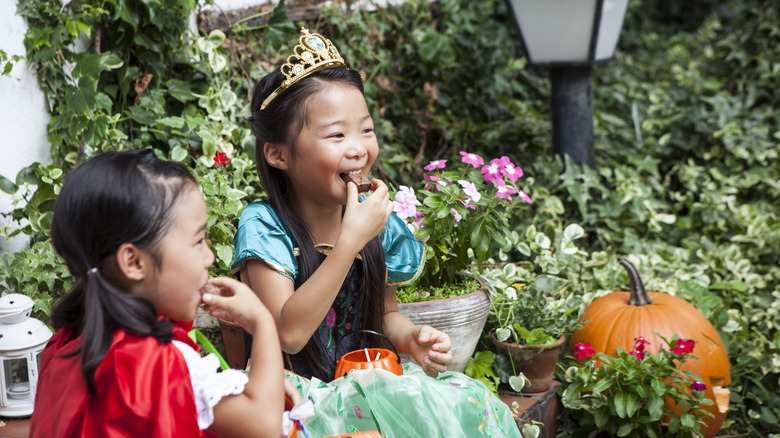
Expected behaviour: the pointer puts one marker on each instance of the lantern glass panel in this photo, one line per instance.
(556, 31)
(17, 380)
(612, 14)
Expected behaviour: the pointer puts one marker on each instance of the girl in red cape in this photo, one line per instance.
(131, 228)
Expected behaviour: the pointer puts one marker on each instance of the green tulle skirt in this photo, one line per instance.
(412, 405)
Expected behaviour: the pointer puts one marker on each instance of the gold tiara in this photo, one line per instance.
(313, 52)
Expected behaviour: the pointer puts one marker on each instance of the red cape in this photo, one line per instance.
(143, 389)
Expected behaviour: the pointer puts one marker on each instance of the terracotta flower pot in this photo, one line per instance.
(537, 363)
(233, 339)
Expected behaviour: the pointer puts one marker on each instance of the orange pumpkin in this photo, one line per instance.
(616, 319)
(367, 359)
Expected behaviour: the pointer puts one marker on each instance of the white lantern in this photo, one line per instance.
(568, 32)
(22, 340)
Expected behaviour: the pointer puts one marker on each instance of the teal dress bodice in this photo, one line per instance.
(263, 235)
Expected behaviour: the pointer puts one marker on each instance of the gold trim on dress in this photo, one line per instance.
(275, 266)
(414, 277)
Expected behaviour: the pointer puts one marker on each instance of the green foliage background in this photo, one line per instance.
(686, 178)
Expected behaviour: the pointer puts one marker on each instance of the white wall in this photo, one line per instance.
(23, 114)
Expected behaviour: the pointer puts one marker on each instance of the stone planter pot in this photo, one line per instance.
(462, 318)
(536, 363)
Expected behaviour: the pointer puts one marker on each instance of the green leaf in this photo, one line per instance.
(688, 420)
(517, 383)
(75, 27)
(127, 13)
(112, 61)
(179, 90)
(658, 386)
(224, 253)
(218, 62)
(280, 28)
(178, 153)
(602, 385)
(88, 66)
(632, 404)
(27, 176)
(173, 122)
(573, 232)
(625, 429)
(82, 98)
(655, 407)
(619, 403)
(601, 416)
(8, 186)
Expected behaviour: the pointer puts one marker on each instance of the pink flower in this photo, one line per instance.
(492, 171)
(467, 205)
(470, 189)
(583, 351)
(436, 164)
(524, 196)
(639, 343)
(405, 203)
(505, 192)
(698, 386)
(473, 159)
(683, 346)
(639, 348)
(358, 412)
(455, 215)
(511, 171)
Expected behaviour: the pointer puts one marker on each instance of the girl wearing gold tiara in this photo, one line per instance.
(326, 260)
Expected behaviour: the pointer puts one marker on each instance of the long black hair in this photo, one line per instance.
(281, 122)
(109, 200)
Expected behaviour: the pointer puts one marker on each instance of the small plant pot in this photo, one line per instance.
(233, 340)
(537, 363)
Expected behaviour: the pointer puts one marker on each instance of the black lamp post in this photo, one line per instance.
(569, 37)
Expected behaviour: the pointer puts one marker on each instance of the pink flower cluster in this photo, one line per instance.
(683, 346)
(498, 171)
(583, 351)
(639, 348)
(501, 173)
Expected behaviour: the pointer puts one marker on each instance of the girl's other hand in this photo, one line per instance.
(431, 349)
(235, 302)
(292, 392)
(364, 220)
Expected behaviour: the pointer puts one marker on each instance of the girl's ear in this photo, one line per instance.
(276, 155)
(132, 262)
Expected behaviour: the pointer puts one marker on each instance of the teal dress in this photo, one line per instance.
(451, 405)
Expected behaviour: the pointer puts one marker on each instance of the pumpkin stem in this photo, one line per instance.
(639, 295)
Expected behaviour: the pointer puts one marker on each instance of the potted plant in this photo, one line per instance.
(535, 305)
(627, 394)
(460, 218)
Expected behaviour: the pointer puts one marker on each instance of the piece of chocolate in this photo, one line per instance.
(210, 289)
(362, 183)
